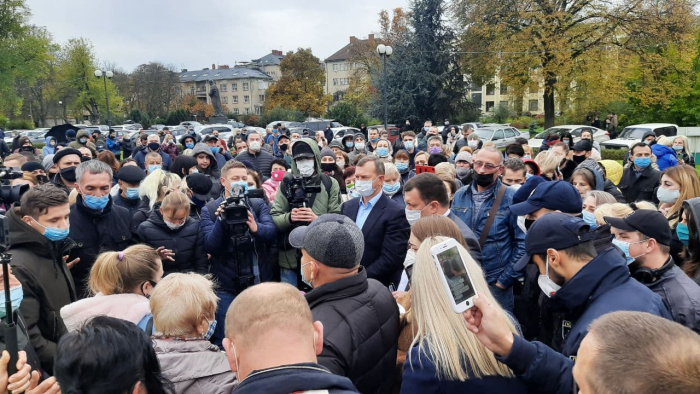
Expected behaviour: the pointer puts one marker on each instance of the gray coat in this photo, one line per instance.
(681, 296)
(195, 366)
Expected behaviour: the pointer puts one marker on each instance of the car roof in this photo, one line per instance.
(653, 125)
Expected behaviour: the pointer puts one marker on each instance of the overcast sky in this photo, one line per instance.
(195, 34)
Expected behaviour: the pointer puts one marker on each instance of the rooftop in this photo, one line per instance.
(345, 52)
(273, 58)
(222, 73)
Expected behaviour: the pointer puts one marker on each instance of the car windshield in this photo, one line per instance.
(634, 132)
(484, 134)
(550, 131)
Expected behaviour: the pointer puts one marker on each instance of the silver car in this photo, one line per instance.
(501, 136)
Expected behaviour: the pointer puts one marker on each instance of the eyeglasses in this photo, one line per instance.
(487, 166)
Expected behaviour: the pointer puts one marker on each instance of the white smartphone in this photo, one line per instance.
(454, 274)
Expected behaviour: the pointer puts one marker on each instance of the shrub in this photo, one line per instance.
(613, 154)
(3, 122)
(518, 125)
(21, 125)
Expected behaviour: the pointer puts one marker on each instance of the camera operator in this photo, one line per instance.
(312, 194)
(236, 249)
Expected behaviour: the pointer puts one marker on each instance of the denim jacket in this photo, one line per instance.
(505, 243)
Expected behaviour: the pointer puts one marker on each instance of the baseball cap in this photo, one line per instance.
(332, 240)
(554, 230)
(200, 185)
(302, 149)
(583, 146)
(653, 224)
(211, 137)
(557, 196)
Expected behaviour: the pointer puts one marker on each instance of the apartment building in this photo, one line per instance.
(495, 93)
(339, 66)
(270, 64)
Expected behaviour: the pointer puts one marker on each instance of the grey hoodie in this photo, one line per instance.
(213, 171)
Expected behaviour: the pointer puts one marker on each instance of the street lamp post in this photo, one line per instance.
(104, 76)
(385, 51)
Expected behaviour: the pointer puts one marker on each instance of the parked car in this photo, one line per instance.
(633, 134)
(501, 136)
(474, 125)
(575, 130)
(340, 132)
(103, 129)
(208, 129)
(318, 125)
(132, 127)
(236, 124)
(34, 135)
(9, 136)
(190, 123)
(286, 123)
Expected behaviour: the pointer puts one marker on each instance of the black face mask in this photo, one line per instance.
(484, 180)
(328, 167)
(528, 223)
(27, 149)
(154, 146)
(578, 159)
(68, 174)
(42, 179)
(284, 147)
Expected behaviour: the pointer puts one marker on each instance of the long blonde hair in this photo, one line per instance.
(441, 333)
(685, 176)
(156, 184)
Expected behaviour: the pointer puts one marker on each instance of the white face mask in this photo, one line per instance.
(174, 226)
(340, 163)
(364, 188)
(521, 223)
(360, 146)
(473, 144)
(410, 258)
(413, 215)
(549, 288)
(667, 196)
(306, 167)
(254, 146)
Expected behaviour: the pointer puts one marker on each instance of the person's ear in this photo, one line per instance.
(318, 337)
(230, 354)
(27, 220)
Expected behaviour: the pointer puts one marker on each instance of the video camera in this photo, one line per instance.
(10, 325)
(10, 194)
(297, 192)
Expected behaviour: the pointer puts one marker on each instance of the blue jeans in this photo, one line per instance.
(288, 276)
(504, 297)
(225, 300)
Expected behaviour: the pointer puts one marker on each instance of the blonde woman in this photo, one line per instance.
(183, 307)
(549, 162)
(680, 146)
(678, 184)
(152, 191)
(446, 356)
(393, 188)
(121, 283)
(619, 210)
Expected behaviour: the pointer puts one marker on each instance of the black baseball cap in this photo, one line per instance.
(302, 149)
(651, 223)
(200, 185)
(557, 196)
(554, 230)
(583, 146)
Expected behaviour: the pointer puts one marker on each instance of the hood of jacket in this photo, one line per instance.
(188, 360)
(606, 271)
(80, 134)
(647, 134)
(130, 307)
(25, 236)
(186, 136)
(317, 156)
(594, 169)
(204, 148)
(47, 141)
(693, 205)
(662, 150)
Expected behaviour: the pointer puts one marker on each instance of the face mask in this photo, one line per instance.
(303, 279)
(284, 147)
(360, 146)
(132, 193)
(154, 146)
(194, 171)
(462, 172)
(154, 167)
(528, 176)
(642, 162)
(589, 218)
(473, 144)
(390, 190)
(683, 233)
(53, 233)
(373, 140)
(295, 139)
(16, 296)
(678, 148)
(210, 331)
(83, 140)
(667, 196)
(254, 146)
(278, 175)
(647, 142)
(95, 203)
(402, 167)
(214, 149)
(527, 157)
(408, 145)
(306, 167)
(174, 226)
(242, 184)
(364, 188)
(350, 144)
(435, 150)
(68, 174)
(328, 167)
(382, 152)
(549, 288)
(413, 215)
(189, 145)
(625, 247)
(42, 179)
(578, 159)
(340, 163)
(521, 224)
(484, 180)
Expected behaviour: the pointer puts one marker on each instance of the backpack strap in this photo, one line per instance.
(492, 216)
(149, 326)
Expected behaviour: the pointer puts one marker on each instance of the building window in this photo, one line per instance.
(246, 99)
(532, 107)
(245, 86)
(504, 104)
(257, 110)
(489, 106)
(504, 89)
(224, 87)
(247, 110)
(261, 98)
(475, 87)
(490, 90)
(224, 99)
(235, 99)
(235, 110)
(234, 87)
(335, 81)
(192, 90)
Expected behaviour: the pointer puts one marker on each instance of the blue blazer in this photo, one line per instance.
(386, 232)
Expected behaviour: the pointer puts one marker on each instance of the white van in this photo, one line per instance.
(633, 134)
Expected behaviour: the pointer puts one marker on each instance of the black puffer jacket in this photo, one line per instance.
(187, 243)
(639, 188)
(362, 321)
(261, 160)
(95, 232)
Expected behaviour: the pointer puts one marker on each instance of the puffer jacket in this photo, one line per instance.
(363, 330)
(270, 186)
(665, 156)
(130, 307)
(77, 145)
(327, 201)
(114, 146)
(505, 243)
(171, 150)
(47, 285)
(195, 366)
(295, 378)
(213, 171)
(262, 161)
(187, 242)
(680, 294)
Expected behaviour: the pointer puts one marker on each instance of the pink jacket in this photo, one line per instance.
(130, 307)
(270, 186)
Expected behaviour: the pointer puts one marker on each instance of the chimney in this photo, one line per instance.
(276, 52)
(184, 70)
(370, 39)
(353, 39)
(213, 66)
(223, 66)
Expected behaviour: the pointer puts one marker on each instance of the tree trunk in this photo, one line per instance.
(549, 82)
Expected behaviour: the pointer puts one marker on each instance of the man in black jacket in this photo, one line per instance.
(97, 225)
(639, 178)
(361, 314)
(129, 178)
(67, 160)
(38, 230)
(261, 159)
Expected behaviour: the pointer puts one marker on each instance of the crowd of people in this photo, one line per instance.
(285, 263)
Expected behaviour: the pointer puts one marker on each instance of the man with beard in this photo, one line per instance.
(484, 207)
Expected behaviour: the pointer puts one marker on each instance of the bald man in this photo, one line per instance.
(272, 343)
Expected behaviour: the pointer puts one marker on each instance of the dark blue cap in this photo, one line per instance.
(527, 188)
(554, 230)
(557, 196)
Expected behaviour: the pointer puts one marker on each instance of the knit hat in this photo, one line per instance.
(70, 133)
(47, 162)
(583, 146)
(464, 156)
(333, 240)
(613, 170)
(360, 136)
(65, 152)
(327, 152)
(334, 144)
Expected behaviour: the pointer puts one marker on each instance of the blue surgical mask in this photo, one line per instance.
(350, 144)
(373, 140)
(214, 149)
(189, 145)
(642, 162)
(132, 193)
(528, 176)
(382, 152)
(16, 296)
(589, 218)
(210, 331)
(402, 167)
(154, 167)
(678, 148)
(95, 203)
(83, 140)
(625, 247)
(527, 157)
(391, 189)
(683, 233)
(53, 233)
(408, 145)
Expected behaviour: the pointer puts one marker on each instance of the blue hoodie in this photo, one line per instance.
(665, 156)
(48, 149)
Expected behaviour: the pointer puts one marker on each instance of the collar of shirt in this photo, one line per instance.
(371, 202)
(447, 213)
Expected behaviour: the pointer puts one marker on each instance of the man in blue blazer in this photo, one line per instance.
(383, 223)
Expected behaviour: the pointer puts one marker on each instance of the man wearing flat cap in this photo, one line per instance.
(129, 178)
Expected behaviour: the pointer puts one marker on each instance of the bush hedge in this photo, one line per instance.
(613, 154)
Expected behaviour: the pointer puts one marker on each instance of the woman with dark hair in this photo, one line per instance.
(109, 356)
(568, 139)
(688, 233)
(108, 158)
(183, 166)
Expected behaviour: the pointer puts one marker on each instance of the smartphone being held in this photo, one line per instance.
(454, 275)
